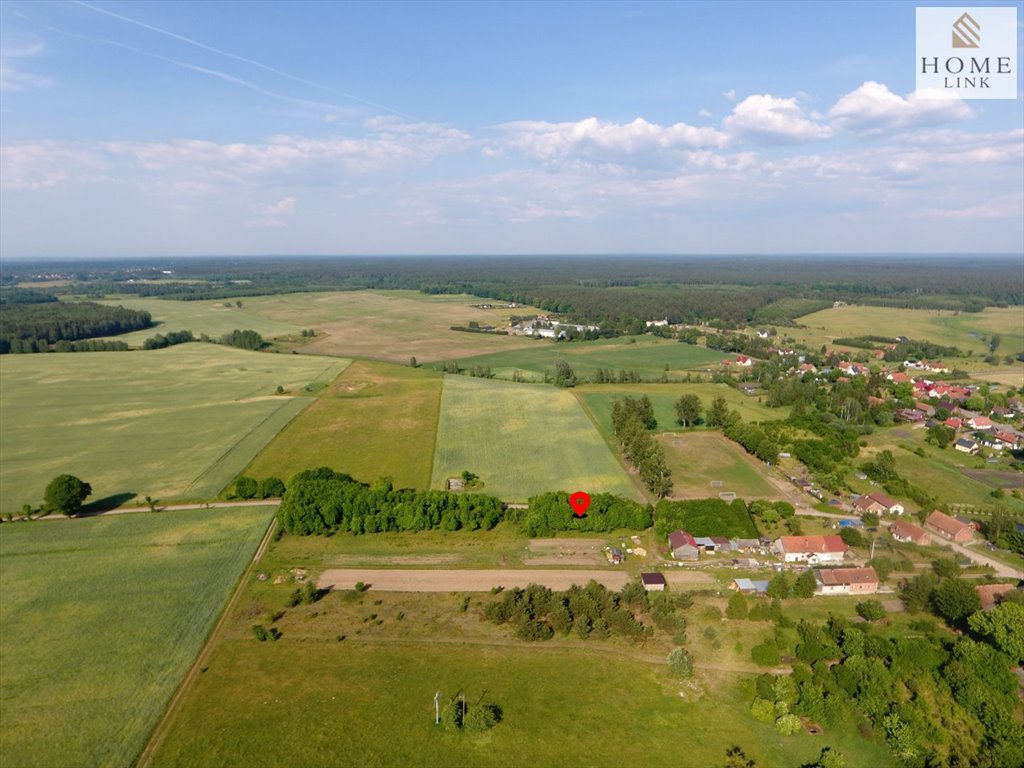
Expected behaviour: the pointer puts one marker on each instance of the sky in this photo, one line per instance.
(230, 128)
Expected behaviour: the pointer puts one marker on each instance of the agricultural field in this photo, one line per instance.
(522, 440)
(382, 325)
(647, 355)
(253, 705)
(376, 419)
(597, 399)
(175, 423)
(699, 458)
(955, 329)
(100, 620)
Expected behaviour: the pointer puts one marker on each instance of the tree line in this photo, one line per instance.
(550, 512)
(632, 418)
(33, 327)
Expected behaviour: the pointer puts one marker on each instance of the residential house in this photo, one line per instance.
(910, 415)
(954, 423)
(888, 504)
(948, 527)
(899, 378)
(980, 423)
(743, 361)
(924, 408)
(811, 549)
(653, 582)
(909, 533)
(1008, 439)
(865, 504)
(683, 546)
(750, 586)
(966, 445)
(846, 581)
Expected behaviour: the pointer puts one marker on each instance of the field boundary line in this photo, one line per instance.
(633, 478)
(437, 431)
(163, 725)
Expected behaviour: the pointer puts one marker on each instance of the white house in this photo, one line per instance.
(810, 549)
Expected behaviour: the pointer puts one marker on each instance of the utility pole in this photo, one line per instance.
(437, 711)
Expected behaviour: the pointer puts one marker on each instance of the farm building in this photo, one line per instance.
(750, 586)
(683, 546)
(812, 549)
(616, 556)
(745, 545)
(948, 527)
(909, 533)
(846, 581)
(722, 544)
(706, 543)
(653, 582)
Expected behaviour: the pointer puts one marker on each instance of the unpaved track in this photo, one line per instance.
(464, 580)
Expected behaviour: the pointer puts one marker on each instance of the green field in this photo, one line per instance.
(376, 419)
(175, 423)
(383, 325)
(647, 355)
(597, 399)
(698, 458)
(955, 329)
(522, 440)
(99, 622)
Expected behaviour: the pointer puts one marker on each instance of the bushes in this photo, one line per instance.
(551, 512)
(870, 610)
(766, 654)
(704, 517)
(680, 663)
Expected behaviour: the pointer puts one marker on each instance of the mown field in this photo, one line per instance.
(955, 329)
(367, 699)
(375, 420)
(99, 622)
(647, 355)
(176, 423)
(699, 458)
(597, 399)
(522, 439)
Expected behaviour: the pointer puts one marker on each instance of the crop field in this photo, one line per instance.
(100, 620)
(376, 419)
(956, 329)
(175, 423)
(646, 355)
(340, 686)
(383, 325)
(597, 399)
(522, 439)
(699, 458)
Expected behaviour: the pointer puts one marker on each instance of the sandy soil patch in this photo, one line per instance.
(565, 552)
(483, 580)
(381, 561)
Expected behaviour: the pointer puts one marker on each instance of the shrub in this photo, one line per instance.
(260, 632)
(680, 663)
(763, 710)
(245, 488)
(870, 610)
(788, 725)
(766, 654)
(737, 608)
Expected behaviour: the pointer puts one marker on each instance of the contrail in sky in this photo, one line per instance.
(236, 57)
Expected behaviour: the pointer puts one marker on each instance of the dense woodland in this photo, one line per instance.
(30, 326)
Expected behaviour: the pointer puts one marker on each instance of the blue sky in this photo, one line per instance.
(133, 129)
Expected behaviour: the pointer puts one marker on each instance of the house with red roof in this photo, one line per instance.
(744, 361)
(899, 378)
(908, 533)
(979, 422)
(948, 527)
(683, 546)
(846, 581)
(810, 549)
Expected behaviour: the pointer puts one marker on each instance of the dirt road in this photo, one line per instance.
(452, 580)
(168, 508)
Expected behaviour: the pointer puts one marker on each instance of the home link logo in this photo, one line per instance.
(966, 53)
(966, 32)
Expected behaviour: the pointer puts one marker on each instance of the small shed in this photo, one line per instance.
(653, 582)
(617, 556)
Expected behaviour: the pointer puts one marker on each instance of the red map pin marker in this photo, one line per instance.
(579, 502)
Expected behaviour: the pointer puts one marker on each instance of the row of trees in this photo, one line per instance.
(169, 339)
(247, 339)
(631, 420)
(322, 501)
(550, 512)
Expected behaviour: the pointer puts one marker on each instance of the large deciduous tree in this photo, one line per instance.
(65, 494)
(688, 410)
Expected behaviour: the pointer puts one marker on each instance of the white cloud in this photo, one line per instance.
(274, 215)
(730, 95)
(594, 139)
(774, 120)
(44, 164)
(873, 109)
(12, 76)
(704, 113)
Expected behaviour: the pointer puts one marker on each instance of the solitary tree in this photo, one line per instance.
(718, 413)
(737, 608)
(65, 494)
(688, 410)
(805, 584)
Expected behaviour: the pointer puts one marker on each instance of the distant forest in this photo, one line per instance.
(611, 291)
(29, 326)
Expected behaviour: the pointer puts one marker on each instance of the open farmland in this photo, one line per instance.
(955, 329)
(175, 423)
(699, 458)
(253, 704)
(522, 440)
(376, 419)
(597, 399)
(100, 620)
(647, 355)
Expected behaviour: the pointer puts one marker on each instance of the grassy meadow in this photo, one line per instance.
(697, 458)
(100, 620)
(956, 329)
(376, 419)
(522, 439)
(647, 355)
(175, 423)
(597, 399)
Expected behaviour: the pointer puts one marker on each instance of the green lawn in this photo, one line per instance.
(597, 399)
(645, 354)
(176, 423)
(698, 458)
(522, 439)
(100, 620)
(376, 419)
